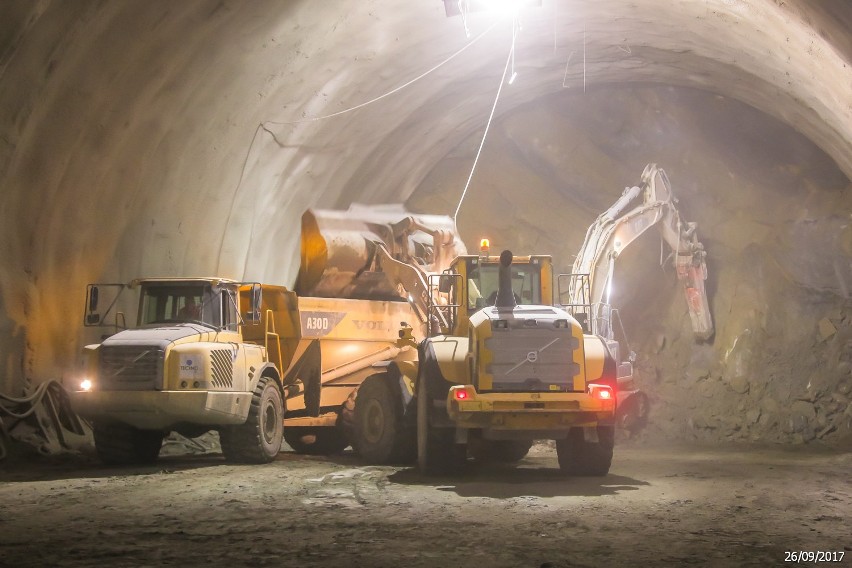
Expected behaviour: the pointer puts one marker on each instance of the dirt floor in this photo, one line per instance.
(688, 505)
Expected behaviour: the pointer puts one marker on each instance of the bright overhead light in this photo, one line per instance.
(502, 6)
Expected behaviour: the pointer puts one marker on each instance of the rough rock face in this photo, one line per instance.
(158, 138)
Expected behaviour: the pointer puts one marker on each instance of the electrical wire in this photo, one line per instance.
(262, 125)
(392, 91)
(487, 126)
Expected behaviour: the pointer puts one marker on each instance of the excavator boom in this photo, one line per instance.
(617, 227)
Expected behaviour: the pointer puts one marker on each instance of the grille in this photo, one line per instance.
(528, 360)
(131, 368)
(222, 364)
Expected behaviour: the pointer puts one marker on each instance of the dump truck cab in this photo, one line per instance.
(507, 367)
(186, 366)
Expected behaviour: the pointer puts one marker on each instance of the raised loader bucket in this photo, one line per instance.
(338, 256)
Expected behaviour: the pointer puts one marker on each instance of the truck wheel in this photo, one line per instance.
(502, 451)
(259, 439)
(120, 444)
(579, 457)
(316, 440)
(375, 424)
(437, 451)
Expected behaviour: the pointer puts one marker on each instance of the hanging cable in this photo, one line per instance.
(262, 126)
(464, 9)
(393, 91)
(487, 126)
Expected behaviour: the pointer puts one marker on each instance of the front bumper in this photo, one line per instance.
(529, 411)
(163, 409)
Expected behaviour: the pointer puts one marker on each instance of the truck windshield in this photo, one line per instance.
(171, 303)
(483, 279)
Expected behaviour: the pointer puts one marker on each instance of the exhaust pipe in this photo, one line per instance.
(505, 296)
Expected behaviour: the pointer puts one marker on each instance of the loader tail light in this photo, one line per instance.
(601, 392)
(462, 392)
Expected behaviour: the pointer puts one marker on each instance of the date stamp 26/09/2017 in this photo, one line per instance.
(797, 556)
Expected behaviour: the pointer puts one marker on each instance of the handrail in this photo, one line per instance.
(446, 314)
(266, 335)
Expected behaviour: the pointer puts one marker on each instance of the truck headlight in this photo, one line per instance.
(86, 385)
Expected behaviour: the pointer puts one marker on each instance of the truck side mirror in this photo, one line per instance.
(92, 317)
(255, 303)
(93, 298)
(445, 283)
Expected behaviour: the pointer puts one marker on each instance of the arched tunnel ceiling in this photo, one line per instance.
(178, 138)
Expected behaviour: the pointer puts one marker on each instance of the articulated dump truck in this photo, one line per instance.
(247, 358)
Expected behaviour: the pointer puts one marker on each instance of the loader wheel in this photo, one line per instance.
(120, 444)
(375, 422)
(437, 451)
(502, 451)
(316, 440)
(579, 457)
(632, 413)
(259, 439)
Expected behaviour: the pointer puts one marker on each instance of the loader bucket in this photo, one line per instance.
(338, 253)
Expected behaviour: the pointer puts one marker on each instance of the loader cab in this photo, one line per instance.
(212, 303)
(471, 284)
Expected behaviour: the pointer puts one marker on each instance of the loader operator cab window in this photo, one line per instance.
(177, 303)
(483, 280)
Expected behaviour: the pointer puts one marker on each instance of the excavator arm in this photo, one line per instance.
(617, 227)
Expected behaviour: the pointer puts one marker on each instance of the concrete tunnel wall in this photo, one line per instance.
(158, 138)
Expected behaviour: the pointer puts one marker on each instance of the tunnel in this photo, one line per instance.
(161, 138)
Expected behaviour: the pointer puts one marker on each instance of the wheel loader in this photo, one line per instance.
(497, 365)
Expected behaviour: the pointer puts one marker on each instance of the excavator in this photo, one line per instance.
(586, 291)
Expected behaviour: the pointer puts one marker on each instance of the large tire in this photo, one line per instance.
(373, 418)
(501, 451)
(258, 440)
(437, 451)
(631, 415)
(316, 440)
(579, 457)
(120, 444)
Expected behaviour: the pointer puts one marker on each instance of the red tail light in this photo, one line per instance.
(459, 393)
(601, 392)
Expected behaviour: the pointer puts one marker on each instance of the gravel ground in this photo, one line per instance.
(687, 505)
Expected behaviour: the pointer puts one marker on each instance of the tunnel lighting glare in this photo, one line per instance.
(85, 385)
(502, 7)
(512, 78)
